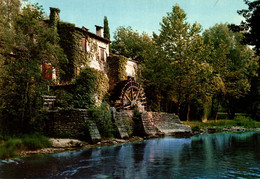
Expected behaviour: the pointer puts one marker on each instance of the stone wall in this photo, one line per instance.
(73, 123)
(78, 123)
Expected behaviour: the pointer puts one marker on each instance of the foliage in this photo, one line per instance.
(103, 119)
(64, 98)
(138, 125)
(130, 44)
(69, 43)
(250, 29)
(233, 63)
(241, 121)
(10, 147)
(91, 87)
(21, 83)
(186, 59)
(106, 28)
(250, 24)
(116, 68)
(35, 141)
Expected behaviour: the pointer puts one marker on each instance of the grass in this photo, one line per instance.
(10, 147)
(239, 120)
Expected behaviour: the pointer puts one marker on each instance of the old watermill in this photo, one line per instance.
(128, 94)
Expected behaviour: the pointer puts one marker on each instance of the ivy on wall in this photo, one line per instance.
(91, 87)
(116, 69)
(68, 41)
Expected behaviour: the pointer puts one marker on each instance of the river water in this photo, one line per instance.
(233, 155)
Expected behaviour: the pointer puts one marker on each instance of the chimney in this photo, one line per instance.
(54, 17)
(99, 31)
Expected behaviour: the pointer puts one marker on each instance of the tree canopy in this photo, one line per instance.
(129, 43)
(28, 43)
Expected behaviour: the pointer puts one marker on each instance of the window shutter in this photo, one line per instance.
(102, 54)
(83, 44)
(47, 71)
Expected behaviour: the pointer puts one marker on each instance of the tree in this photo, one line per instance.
(234, 63)
(130, 44)
(31, 45)
(250, 28)
(106, 28)
(187, 55)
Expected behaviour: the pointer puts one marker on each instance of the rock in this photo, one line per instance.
(120, 140)
(65, 143)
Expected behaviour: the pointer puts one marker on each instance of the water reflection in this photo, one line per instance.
(203, 156)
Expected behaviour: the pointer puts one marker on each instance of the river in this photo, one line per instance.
(230, 155)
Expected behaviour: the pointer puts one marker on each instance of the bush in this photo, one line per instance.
(10, 147)
(246, 122)
(64, 98)
(91, 87)
(36, 141)
(103, 119)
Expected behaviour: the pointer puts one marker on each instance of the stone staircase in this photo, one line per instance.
(122, 120)
(169, 124)
(93, 131)
(148, 124)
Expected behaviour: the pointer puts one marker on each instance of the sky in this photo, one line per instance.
(142, 15)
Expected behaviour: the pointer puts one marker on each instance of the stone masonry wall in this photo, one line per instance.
(73, 123)
(78, 123)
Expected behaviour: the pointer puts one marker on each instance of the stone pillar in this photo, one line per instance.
(54, 18)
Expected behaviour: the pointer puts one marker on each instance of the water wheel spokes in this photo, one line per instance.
(132, 95)
(128, 94)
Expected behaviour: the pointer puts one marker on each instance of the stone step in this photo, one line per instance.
(93, 131)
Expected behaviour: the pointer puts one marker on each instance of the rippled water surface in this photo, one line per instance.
(204, 156)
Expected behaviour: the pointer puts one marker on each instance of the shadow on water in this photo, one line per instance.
(207, 156)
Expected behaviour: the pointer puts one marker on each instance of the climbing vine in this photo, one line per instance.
(91, 88)
(69, 42)
(116, 68)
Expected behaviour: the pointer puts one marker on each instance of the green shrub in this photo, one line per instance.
(246, 122)
(91, 87)
(35, 141)
(103, 119)
(10, 147)
(64, 98)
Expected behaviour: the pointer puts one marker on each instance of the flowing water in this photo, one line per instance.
(234, 155)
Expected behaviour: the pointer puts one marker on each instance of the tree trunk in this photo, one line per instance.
(188, 107)
(216, 117)
(188, 112)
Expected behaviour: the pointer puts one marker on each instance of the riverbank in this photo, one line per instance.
(61, 145)
(239, 124)
(67, 146)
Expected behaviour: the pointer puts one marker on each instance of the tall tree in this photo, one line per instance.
(184, 50)
(31, 45)
(250, 28)
(106, 28)
(234, 63)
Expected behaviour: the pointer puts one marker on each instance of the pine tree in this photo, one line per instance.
(106, 28)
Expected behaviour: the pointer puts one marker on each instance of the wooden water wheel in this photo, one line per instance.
(128, 94)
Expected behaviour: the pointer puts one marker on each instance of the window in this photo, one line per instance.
(84, 44)
(102, 54)
(47, 71)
